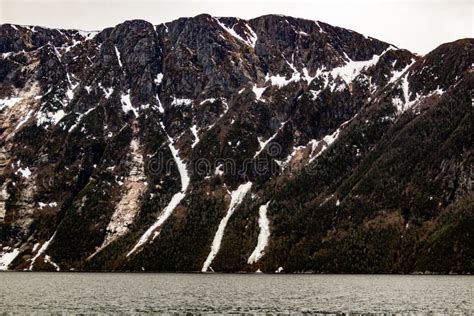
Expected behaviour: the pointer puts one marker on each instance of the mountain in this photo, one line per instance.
(221, 144)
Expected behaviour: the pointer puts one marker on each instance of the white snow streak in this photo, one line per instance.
(407, 104)
(326, 141)
(347, 73)
(79, 119)
(175, 200)
(263, 144)
(404, 105)
(71, 87)
(194, 130)
(263, 236)
(160, 106)
(397, 74)
(251, 36)
(41, 251)
(118, 57)
(237, 197)
(210, 100)
(406, 90)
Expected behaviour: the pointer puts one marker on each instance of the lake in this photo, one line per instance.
(233, 293)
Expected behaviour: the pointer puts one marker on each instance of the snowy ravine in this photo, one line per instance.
(263, 236)
(237, 197)
(129, 204)
(175, 200)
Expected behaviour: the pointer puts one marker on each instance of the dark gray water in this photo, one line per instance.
(226, 293)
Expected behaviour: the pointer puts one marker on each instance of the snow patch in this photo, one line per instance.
(314, 94)
(47, 259)
(8, 103)
(107, 91)
(352, 69)
(25, 172)
(219, 170)
(258, 92)
(438, 91)
(127, 104)
(398, 103)
(159, 79)
(43, 118)
(263, 236)
(88, 35)
(7, 257)
(71, 87)
(69, 93)
(179, 102)
(281, 81)
(42, 205)
(210, 100)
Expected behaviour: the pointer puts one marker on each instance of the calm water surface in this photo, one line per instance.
(227, 293)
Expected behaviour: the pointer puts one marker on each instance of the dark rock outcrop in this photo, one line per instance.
(165, 148)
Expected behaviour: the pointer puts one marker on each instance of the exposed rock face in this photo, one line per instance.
(120, 149)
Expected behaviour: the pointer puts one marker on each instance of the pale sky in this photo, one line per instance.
(418, 25)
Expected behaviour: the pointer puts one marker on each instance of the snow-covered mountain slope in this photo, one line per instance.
(216, 143)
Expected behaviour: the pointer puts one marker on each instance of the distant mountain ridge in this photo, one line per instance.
(220, 144)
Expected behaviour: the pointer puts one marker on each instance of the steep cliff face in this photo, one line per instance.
(220, 144)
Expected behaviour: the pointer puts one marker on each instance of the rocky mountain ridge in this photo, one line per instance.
(220, 144)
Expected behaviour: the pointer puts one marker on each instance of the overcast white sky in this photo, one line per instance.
(418, 25)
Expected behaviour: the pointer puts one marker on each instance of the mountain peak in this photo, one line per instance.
(177, 147)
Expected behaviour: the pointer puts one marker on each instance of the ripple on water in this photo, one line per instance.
(233, 293)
